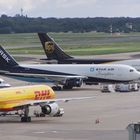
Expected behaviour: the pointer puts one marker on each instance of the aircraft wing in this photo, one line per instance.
(48, 101)
(56, 78)
(60, 78)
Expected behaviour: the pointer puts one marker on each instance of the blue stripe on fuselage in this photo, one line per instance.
(31, 79)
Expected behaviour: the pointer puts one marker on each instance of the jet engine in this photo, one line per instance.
(52, 110)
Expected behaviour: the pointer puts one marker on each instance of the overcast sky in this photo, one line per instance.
(71, 8)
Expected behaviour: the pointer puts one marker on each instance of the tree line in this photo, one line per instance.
(24, 24)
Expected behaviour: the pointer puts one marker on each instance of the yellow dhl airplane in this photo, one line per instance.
(21, 98)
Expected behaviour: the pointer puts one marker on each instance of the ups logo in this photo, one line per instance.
(49, 47)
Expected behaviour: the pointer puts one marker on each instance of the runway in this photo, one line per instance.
(104, 117)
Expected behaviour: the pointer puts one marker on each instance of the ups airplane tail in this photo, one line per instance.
(51, 48)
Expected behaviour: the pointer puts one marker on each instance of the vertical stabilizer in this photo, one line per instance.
(6, 60)
(52, 50)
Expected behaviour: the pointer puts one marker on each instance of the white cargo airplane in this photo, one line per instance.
(54, 52)
(69, 75)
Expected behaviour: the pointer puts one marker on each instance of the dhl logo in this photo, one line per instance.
(42, 95)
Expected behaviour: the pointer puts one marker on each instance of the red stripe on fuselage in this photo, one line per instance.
(6, 109)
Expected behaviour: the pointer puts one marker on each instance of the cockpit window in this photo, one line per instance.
(131, 70)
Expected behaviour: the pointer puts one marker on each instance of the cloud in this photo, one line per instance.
(71, 8)
(7, 5)
(127, 8)
(74, 3)
(118, 2)
(14, 6)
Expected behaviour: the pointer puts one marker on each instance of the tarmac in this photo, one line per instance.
(104, 117)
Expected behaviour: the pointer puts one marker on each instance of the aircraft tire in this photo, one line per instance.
(57, 88)
(25, 119)
(67, 87)
(42, 115)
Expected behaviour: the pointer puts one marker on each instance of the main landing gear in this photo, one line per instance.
(26, 117)
(58, 88)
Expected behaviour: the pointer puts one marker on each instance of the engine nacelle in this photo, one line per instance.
(52, 110)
